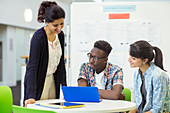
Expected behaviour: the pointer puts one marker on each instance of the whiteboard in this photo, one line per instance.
(90, 22)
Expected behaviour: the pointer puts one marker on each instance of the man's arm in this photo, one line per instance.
(82, 82)
(113, 94)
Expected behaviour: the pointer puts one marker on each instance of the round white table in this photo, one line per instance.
(105, 106)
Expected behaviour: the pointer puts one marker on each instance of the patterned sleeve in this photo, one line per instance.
(83, 72)
(160, 87)
(118, 79)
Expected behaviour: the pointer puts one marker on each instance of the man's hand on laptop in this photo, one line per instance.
(100, 95)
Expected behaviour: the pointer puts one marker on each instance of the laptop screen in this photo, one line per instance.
(80, 94)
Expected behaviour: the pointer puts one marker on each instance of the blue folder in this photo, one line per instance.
(80, 94)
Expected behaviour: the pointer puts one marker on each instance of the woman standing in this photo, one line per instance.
(45, 70)
(151, 83)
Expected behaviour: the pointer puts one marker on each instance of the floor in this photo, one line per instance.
(16, 91)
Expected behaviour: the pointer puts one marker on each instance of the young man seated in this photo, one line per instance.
(102, 74)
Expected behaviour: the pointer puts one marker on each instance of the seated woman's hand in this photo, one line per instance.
(133, 111)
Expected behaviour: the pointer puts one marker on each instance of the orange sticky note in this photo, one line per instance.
(119, 16)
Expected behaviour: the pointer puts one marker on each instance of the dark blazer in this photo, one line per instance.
(37, 66)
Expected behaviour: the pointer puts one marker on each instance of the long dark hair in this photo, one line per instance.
(49, 11)
(142, 49)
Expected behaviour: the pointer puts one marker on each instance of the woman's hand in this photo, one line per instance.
(148, 112)
(133, 111)
(29, 101)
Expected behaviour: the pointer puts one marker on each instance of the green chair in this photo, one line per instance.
(19, 109)
(6, 99)
(127, 93)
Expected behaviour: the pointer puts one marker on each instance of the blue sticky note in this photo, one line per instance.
(119, 8)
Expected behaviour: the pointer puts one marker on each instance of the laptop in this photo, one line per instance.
(80, 94)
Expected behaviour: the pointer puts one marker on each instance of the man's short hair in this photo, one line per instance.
(103, 45)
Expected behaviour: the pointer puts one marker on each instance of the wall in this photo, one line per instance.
(8, 56)
(90, 23)
(2, 35)
(12, 12)
(22, 37)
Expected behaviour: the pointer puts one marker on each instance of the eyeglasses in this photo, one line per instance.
(94, 57)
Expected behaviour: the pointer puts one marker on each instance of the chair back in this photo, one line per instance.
(127, 93)
(6, 99)
(19, 109)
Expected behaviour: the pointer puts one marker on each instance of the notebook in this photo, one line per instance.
(80, 94)
(61, 105)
